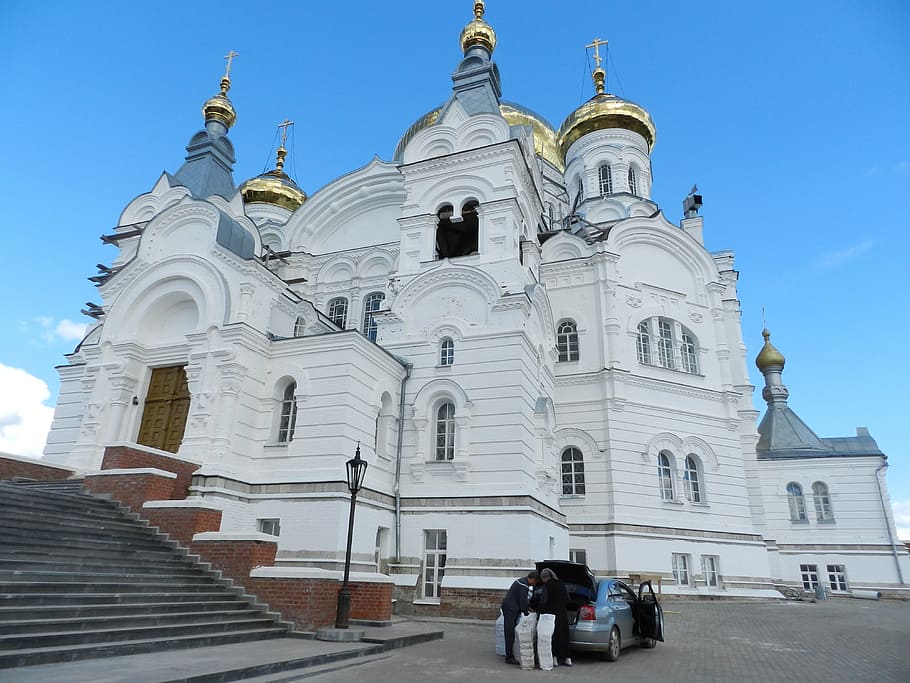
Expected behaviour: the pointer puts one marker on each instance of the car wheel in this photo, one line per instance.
(614, 646)
(649, 643)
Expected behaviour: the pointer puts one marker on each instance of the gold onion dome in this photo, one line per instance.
(220, 107)
(769, 356)
(602, 112)
(478, 32)
(274, 187)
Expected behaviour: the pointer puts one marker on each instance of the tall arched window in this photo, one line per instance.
(299, 326)
(644, 343)
(567, 341)
(338, 311)
(606, 180)
(288, 419)
(446, 351)
(371, 304)
(573, 472)
(822, 500)
(797, 502)
(445, 431)
(665, 476)
(692, 479)
(687, 352)
(665, 343)
(580, 189)
(633, 181)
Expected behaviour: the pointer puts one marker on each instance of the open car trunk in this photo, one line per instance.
(578, 580)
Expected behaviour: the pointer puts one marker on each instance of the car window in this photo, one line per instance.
(613, 592)
(624, 591)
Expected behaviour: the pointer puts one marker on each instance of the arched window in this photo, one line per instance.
(371, 304)
(797, 502)
(822, 500)
(573, 472)
(606, 180)
(665, 343)
(665, 476)
(567, 341)
(633, 181)
(457, 236)
(338, 311)
(644, 343)
(445, 431)
(687, 351)
(288, 419)
(446, 351)
(692, 478)
(580, 189)
(299, 326)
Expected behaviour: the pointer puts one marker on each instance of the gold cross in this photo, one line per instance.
(596, 45)
(229, 57)
(284, 130)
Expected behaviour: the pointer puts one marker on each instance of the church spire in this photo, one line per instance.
(478, 32)
(218, 111)
(475, 83)
(599, 74)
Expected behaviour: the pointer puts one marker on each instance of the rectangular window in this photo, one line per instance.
(710, 565)
(681, 569)
(809, 574)
(837, 577)
(272, 527)
(665, 344)
(578, 555)
(434, 562)
(379, 554)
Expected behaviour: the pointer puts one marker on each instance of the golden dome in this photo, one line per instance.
(604, 111)
(478, 32)
(274, 187)
(219, 107)
(769, 356)
(515, 114)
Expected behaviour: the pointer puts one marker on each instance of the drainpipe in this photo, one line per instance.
(404, 381)
(881, 496)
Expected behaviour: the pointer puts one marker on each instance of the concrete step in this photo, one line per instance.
(68, 486)
(56, 611)
(46, 655)
(100, 509)
(77, 565)
(30, 555)
(126, 621)
(66, 539)
(103, 576)
(116, 521)
(152, 550)
(41, 526)
(115, 585)
(97, 598)
(111, 635)
(36, 496)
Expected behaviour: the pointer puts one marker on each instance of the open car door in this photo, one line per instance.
(650, 613)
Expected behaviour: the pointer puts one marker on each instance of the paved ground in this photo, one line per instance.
(837, 640)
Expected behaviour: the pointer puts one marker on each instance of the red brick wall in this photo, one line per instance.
(462, 603)
(131, 490)
(181, 524)
(236, 558)
(125, 457)
(10, 468)
(311, 603)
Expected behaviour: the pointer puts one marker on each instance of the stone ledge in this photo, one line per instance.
(231, 536)
(182, 504)
(315, 574)
(482, 582)
(133, 471)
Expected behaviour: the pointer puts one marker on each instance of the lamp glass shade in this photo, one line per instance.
(357, 468)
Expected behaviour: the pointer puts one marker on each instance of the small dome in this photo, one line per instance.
(769, 356)
(220, 107)
(274, 187)
(604, 111)
(478, 32)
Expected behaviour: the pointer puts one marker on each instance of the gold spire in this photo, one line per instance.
(282, 150)
(599, 74)
(275, 187)
(219, 107)
(769, 356)
(478, 32)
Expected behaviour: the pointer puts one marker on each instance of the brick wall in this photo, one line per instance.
(461, 603)
(236, 559)
(131, 490)
(181, 524)
(311, 603)
(126, 457)
(15, 467)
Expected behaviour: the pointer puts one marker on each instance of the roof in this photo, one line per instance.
(784, 436)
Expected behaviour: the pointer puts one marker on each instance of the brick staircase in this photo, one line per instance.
(81, 578)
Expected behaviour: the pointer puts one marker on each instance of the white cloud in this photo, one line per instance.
(24, 417)
(833, 259)
(67, 330)
(53, 331)
(901, 509)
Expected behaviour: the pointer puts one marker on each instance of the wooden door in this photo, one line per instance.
(166, 407)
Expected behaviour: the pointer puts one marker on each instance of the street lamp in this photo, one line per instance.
(356, 468)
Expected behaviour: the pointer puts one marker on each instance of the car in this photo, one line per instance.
(606, 615)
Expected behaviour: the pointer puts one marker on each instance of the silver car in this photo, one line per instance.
(606, 615)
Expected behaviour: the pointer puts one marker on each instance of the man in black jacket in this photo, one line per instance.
(513, 606)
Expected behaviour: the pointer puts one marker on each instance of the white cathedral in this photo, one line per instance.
(535, 362)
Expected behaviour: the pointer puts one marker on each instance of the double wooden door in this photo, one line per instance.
(166, 407)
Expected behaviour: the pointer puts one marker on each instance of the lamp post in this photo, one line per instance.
(356, 468)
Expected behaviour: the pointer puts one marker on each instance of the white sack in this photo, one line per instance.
(501, 635)
(525, 633)
(545, 627)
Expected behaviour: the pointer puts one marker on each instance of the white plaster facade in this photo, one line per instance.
(246, 321)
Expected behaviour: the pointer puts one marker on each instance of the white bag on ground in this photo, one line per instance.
(545, 627)
(500, 635)
(524, 640)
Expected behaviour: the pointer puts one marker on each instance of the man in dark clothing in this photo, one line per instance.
(513, 606)
(554, 600)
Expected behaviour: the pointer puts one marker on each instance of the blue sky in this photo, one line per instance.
(791, 117)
